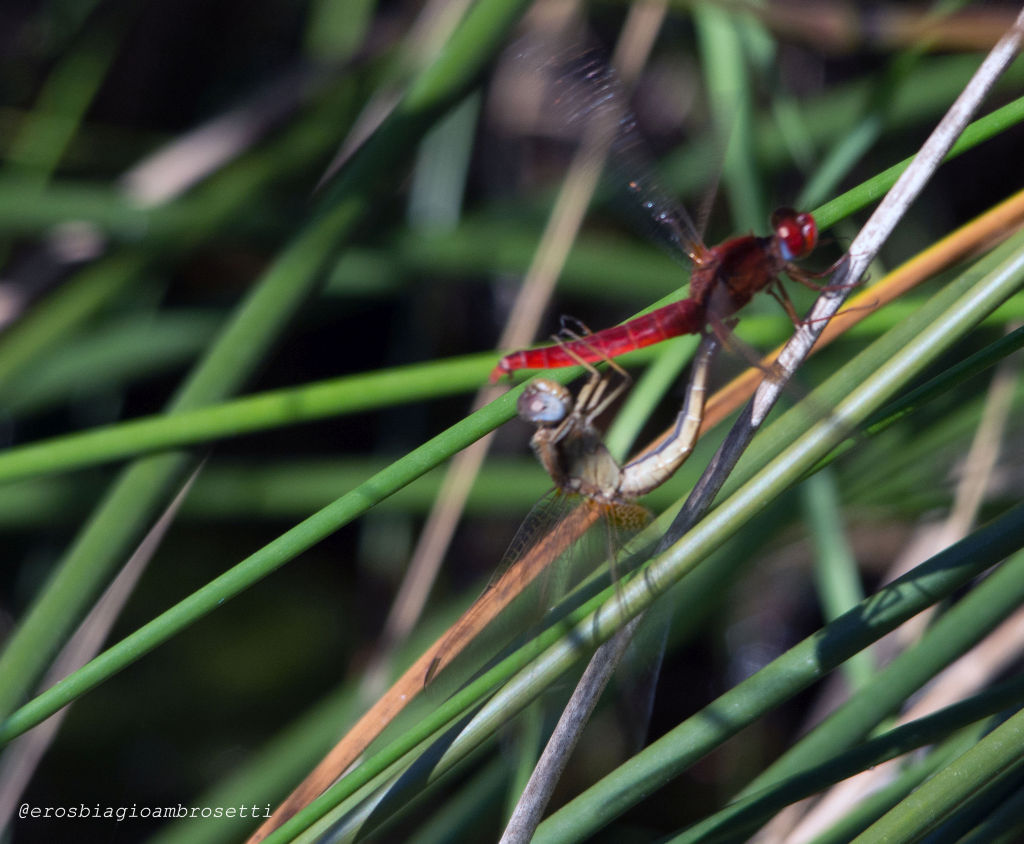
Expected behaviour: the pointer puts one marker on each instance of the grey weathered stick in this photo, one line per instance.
(566, 736)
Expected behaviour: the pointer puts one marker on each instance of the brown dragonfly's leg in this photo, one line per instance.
(598, 398)
(572, 329)
(576, 332)
(579, 334)
(590, 393)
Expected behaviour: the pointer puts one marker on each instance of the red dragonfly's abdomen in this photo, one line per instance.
(683, 317)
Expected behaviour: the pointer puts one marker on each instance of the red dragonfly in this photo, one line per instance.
(724, 279)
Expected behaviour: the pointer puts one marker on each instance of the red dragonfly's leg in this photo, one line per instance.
(802, 276)
(722, 330)
(779, 294)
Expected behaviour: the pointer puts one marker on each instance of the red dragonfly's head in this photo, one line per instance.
(796, 233)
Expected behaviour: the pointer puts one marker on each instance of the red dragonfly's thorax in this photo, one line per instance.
(736, 270)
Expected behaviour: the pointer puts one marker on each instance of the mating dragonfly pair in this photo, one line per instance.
(724, 278)
(567, 441)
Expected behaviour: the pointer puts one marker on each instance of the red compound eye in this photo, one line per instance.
(795, 232)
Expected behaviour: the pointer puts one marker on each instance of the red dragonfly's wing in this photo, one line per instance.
(588, 92)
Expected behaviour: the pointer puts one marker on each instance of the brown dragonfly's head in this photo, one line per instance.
(544, 403)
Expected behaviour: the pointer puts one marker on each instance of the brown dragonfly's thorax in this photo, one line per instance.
(579, 464)
(737, 270)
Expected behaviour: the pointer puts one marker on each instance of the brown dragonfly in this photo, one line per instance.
(590, 484)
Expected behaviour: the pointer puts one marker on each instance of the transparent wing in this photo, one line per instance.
(555, 548)
(537, 564)
(589, 91)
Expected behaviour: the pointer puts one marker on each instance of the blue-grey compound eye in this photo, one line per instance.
(544, 402)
